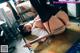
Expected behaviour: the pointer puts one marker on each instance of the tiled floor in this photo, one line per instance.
(20, 47)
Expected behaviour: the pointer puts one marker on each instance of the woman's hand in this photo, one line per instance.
(27, 44)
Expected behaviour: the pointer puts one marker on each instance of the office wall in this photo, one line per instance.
(71, 9)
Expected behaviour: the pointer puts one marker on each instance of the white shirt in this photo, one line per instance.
(39, 32)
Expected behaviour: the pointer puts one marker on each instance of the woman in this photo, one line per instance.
(53, 24)
(57, 25)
